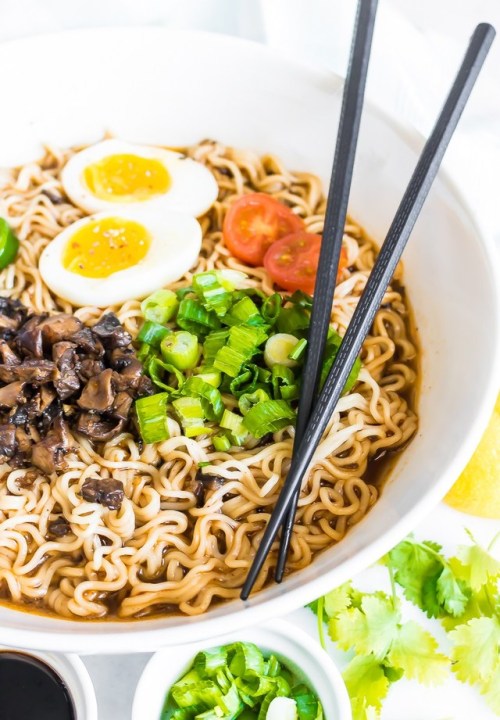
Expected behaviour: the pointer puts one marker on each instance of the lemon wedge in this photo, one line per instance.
(477, 490)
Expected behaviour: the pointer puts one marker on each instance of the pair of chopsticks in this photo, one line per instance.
(315, 410)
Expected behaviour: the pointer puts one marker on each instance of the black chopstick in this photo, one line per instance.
(381, 274)
(336, 211)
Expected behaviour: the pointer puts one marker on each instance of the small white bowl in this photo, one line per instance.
(74, 675)
(294, 647)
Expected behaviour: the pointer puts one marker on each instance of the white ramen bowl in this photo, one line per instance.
(295, 648)
(170, 87)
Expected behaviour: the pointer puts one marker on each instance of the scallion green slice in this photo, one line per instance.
(181, 349)
(193, 316)
(268, 416)
(152, 333)
(211, 398)
(160, 307)
(152, 417)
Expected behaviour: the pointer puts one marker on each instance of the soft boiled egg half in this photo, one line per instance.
(111, 257)
(114, 173)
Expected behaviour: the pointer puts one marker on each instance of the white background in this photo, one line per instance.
(417, 46)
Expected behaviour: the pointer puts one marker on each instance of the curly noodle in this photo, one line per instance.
(160, 552)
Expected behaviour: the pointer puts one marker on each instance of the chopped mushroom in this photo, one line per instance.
(122, 404)
(59, 527)
(88, 342)
(7, 355)
(129, 378)
(105, 491)
(98, 428)
(48, 454)
(12, 315)
(67, 381)
(54, 371)
(110, 331)
(29, 339)
(89, 368)
(98, 394)
(34, 372)
(12, 394)
(8, 442)
(60, 327)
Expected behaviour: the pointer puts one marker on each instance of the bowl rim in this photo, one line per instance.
(67, 635)
(300, 644)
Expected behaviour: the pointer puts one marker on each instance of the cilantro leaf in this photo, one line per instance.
(427, 579)
(313, 606)
(414, 651)
(431, 603)
(476, 649)
(365, 678)
(451, 593)
(338, 600)
(413, 564)
(482, 566)
(369, 630)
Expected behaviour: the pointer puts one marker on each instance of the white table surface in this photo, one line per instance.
(436, 31)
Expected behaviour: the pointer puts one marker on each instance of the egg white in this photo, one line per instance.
(193, 188)
(175, 246)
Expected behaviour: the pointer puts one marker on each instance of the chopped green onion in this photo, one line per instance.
(268, 416)
(152, 417)
(144, 353)
(293, 320)
(278, 348)
(271, 308)
(229, 360)
(212, 293)
(284, 381)
(210, 376)
(181, 293)
(299, 297)
(152, 333)
(247, 339)
(213, 342)
(221, 442)
(160, 307)
(191, 414)
(194, 317)
(156, 369)
(234, 423)
(308, 706)
(9, 244)
(210, 396)
(181, 349)
(299, 349)
(235, 681)
(243, 311)
(248, 400)
(246, 381)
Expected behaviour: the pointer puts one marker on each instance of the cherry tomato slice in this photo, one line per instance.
(254, 222)
(292, 262)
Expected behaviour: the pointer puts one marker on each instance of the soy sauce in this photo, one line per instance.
(30, 689)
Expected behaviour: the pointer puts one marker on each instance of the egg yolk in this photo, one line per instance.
(104, 247)
(127, 178)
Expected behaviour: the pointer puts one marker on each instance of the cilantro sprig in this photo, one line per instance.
(462, 592)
